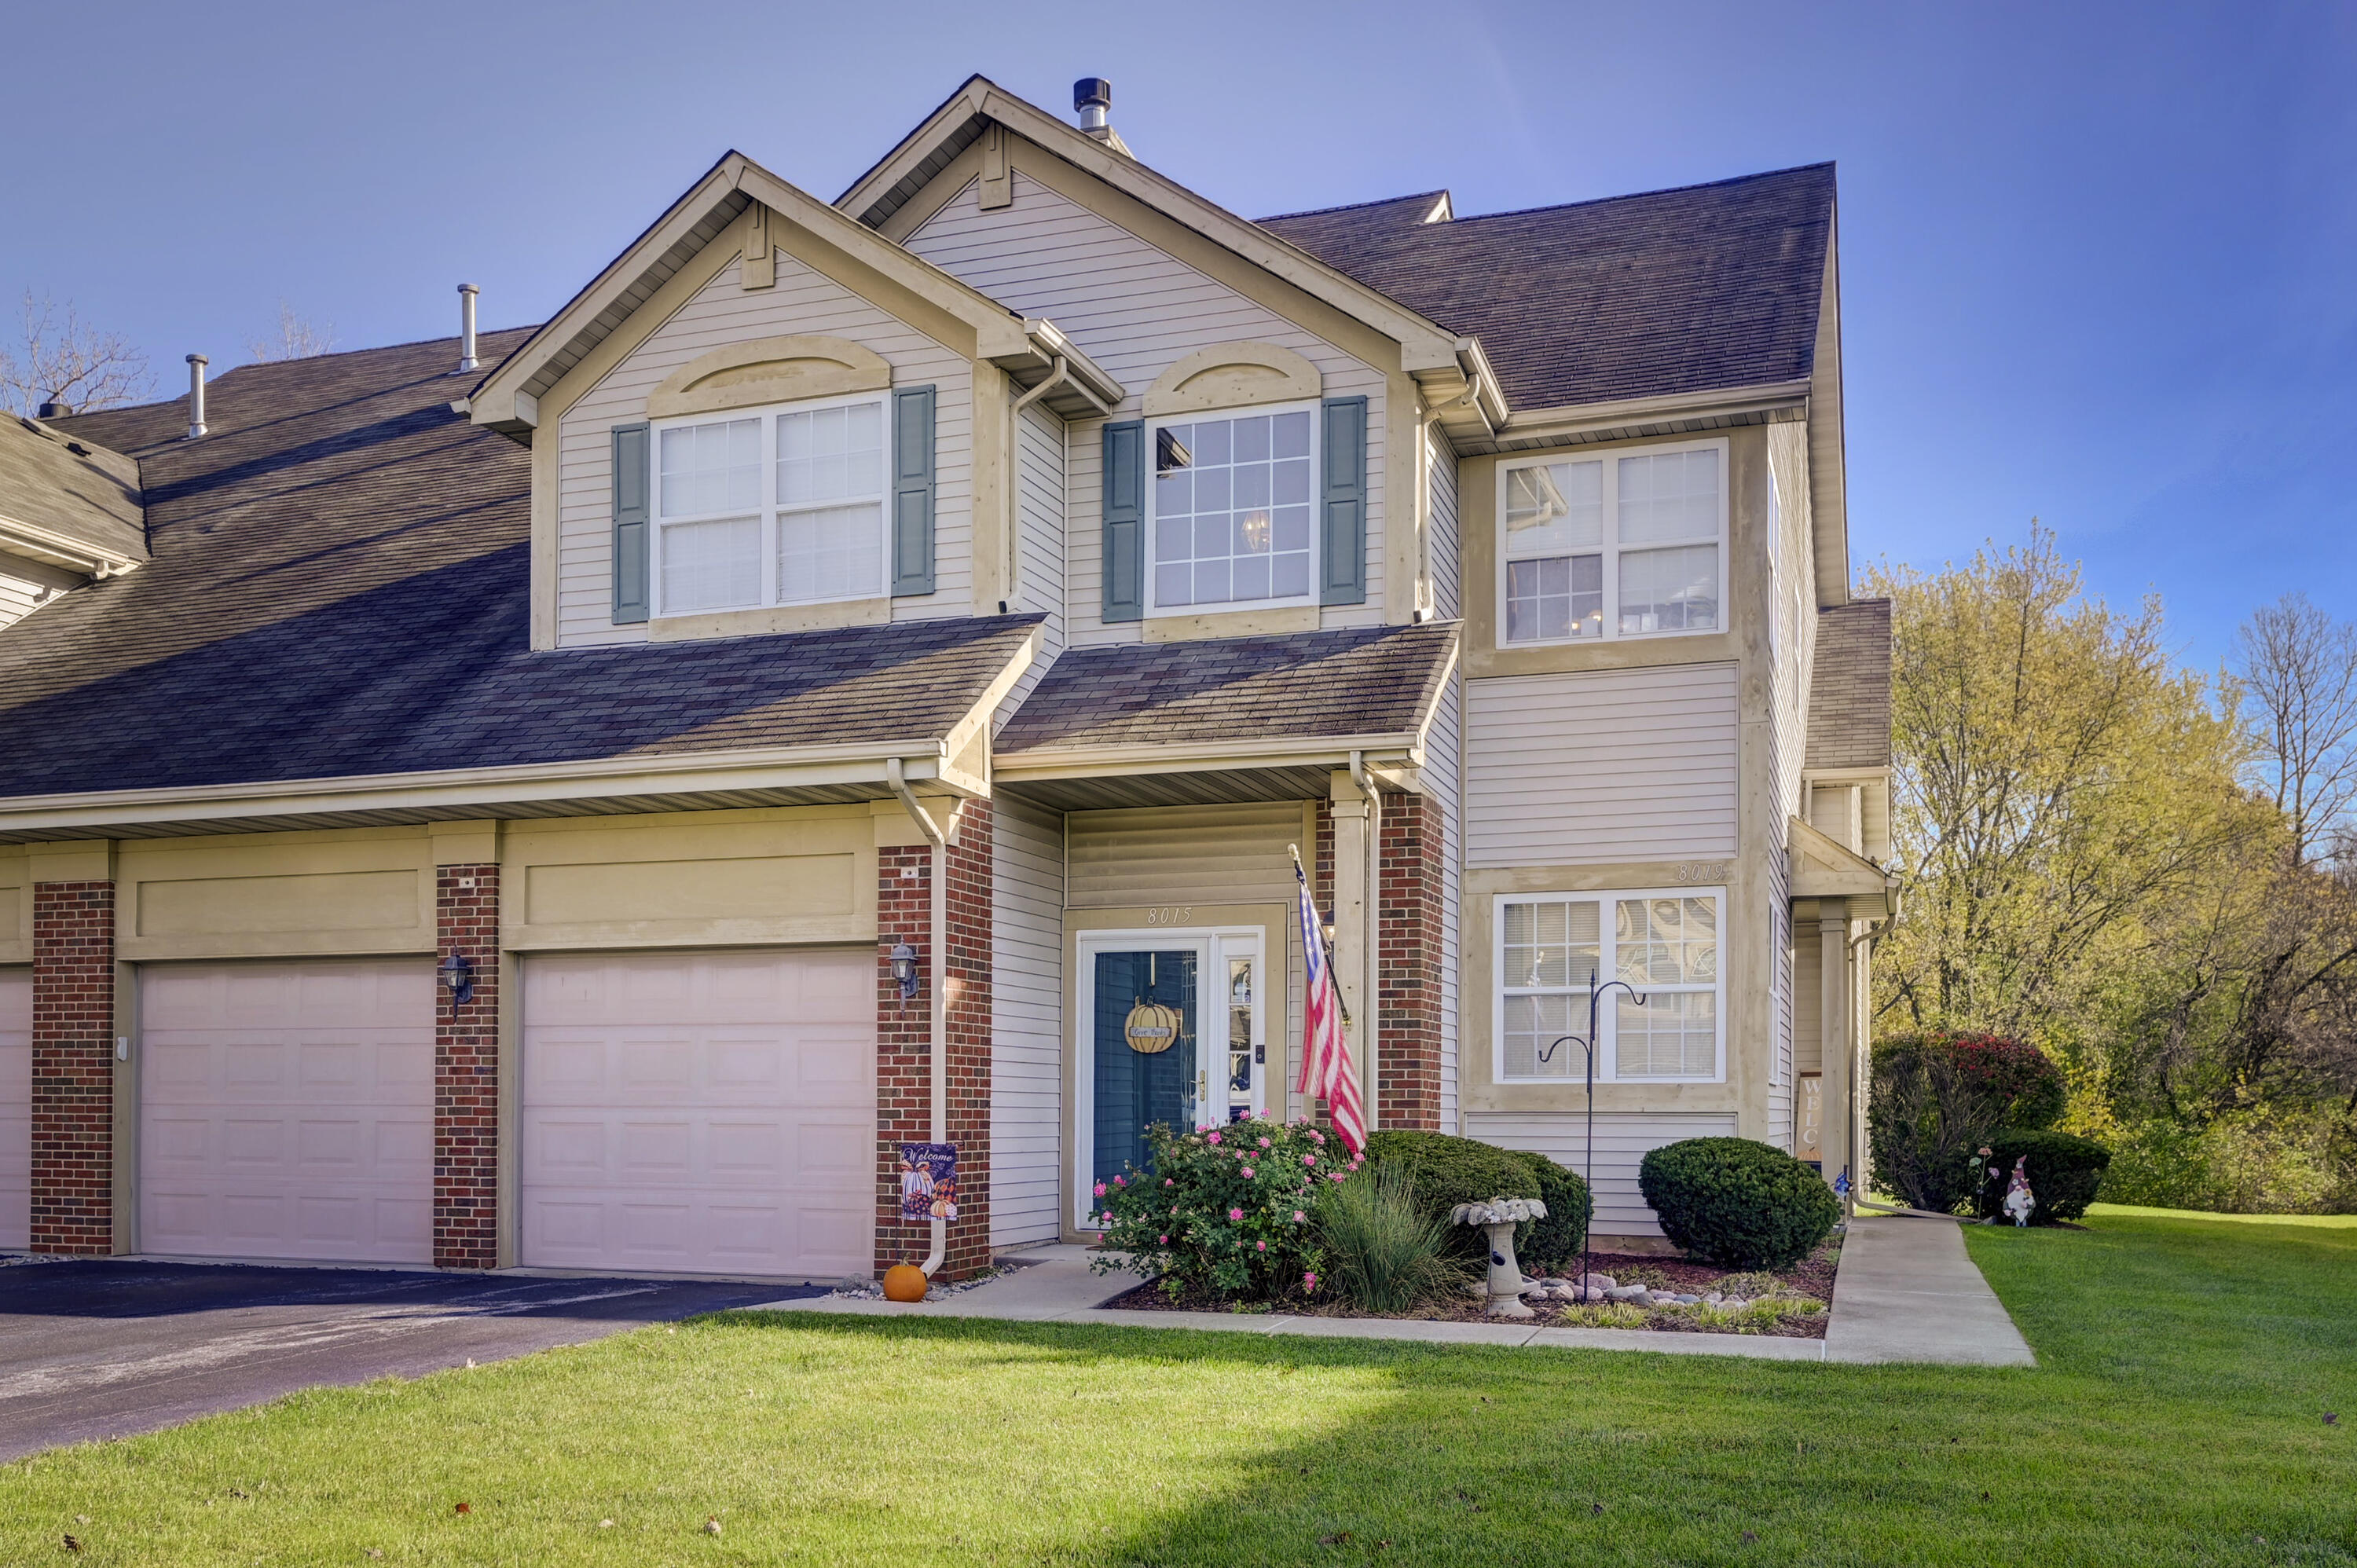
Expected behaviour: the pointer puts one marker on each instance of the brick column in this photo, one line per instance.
(903, 1039)
(467, 1071)
(1408, 918)
(73, 1067)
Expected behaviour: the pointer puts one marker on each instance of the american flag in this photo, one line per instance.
(1326, 1070)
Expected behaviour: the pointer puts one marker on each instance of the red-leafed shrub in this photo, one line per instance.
(1936, 1099)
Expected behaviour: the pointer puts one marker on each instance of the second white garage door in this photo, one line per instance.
(286, 1110)
(16, 1107)
(700, 1112)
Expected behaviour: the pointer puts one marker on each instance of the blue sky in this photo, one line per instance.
(2097, 260)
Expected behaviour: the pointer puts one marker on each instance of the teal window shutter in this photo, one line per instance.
(1342, 518)
(913, 491)
(633, 509)
(1125, 520)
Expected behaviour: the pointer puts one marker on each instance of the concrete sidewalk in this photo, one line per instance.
(1053, 1284)
(1908, 1291)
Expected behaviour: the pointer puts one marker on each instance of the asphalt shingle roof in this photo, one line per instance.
(1308, 685)
(339, 586)
(1849, 694)
(69, 487)
(1673, 291)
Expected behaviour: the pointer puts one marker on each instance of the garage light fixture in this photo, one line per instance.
(458, 978)
(904, 969)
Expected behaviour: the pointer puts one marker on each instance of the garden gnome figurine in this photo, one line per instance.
(2018, 1199)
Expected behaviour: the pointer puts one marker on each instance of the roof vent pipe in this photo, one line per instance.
(54, 409)
(467, 292)
(197, 363)
(1093, 102)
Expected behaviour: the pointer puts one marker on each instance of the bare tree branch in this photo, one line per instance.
(2300, 671)
(60, 360)
(296, 339)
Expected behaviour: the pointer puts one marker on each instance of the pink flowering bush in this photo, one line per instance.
(1226, 1209)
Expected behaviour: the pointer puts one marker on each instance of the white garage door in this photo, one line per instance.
(286, 1110)
(16, 1108)
(700, 1112)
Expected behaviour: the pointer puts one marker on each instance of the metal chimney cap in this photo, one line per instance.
(199, 359)
(54, 409)
(1091, 90)
(469, 288)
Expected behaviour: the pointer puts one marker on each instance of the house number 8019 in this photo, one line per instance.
(1703, 871)
(1170, 916)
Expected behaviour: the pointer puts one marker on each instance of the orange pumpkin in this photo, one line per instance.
(905, 1281)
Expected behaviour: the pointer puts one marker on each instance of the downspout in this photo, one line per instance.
(1372, 912)
(1424, 487)
(1059, 376)
(938, 956)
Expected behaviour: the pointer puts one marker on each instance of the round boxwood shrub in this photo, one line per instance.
(1738, 1202)
(2064, 1172)
(1556, 1241)
(1449, 1171)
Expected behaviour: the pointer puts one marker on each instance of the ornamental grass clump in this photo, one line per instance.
(1384, 1251)
(1229, 1209)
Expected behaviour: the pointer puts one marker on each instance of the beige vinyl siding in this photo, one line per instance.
(1623, 1138)
(1443, 754)
(720, 313)
(25, 585)
(1808, 999)
(1447, 562)
(1787, 458)
(1602, 766)
(1135, 309)
(1040, 454)
(1028, 1027)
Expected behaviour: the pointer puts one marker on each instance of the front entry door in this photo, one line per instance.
(1148, 1063)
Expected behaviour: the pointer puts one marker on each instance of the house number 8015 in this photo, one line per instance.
(1703, 871)
(1170, 916)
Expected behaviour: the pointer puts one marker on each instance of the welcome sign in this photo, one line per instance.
(929, 1181)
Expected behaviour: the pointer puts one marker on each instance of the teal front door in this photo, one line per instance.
(1137, 1088)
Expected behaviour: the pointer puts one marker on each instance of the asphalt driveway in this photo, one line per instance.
(101, 1348)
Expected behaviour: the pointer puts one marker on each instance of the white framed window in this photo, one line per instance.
(1595, 548)
(773, 506)
(1232, 513)
(1664, 943)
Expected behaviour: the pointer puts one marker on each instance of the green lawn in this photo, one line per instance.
(2177, 1418)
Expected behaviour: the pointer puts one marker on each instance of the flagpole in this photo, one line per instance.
(1324, 941)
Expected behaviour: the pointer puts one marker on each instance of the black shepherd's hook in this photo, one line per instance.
(1587, 1044)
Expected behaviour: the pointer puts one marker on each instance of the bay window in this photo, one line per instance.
(1665, 945)
(780, 505)
(1597, 548)
(1232, 520)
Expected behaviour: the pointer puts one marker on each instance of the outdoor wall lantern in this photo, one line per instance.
(1594, 995)
(458, 978)
(904, 970)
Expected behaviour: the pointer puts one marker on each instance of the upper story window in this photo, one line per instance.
(779, 506)
(1665, 945)
(1234, 518)
(1599, 548)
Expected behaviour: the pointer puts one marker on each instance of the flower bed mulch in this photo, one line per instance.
(1813, 1278)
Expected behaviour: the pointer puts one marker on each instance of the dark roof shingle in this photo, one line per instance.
(339, 586)
(71, 487)
(1673, 291)
(1310, 685)
(1849, 690)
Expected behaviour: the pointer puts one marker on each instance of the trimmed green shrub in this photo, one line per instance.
(1936, 1098)
(1738, 1202)
(2064, 1172)
(1556, 1241)
(1449, 1171)
(1382, 1252)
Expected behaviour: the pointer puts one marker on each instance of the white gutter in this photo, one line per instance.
(1471, 394)
(54, 549)
(937, 957)
(1370, 910)
(1061, 375)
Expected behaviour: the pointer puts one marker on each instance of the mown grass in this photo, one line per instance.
(2177, 1417)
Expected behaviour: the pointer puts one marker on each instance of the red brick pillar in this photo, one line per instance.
(904, 1106)
(73, 1067)
(467, 1071)
(1407, 968)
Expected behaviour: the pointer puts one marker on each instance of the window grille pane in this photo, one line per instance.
(711, 566)
(834, 552)
(1674, 495)
(831, 454)
(1533, 1026)
(1554, 597)
(712, 468)
(1669, 590)
(1673, 1034)
(1666, 941)
(1551, 944)
(1558, 505)
(1233, 526)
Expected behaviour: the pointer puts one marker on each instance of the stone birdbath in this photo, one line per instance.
(1499, 1217)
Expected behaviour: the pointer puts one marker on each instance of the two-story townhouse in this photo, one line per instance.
(862, 672)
